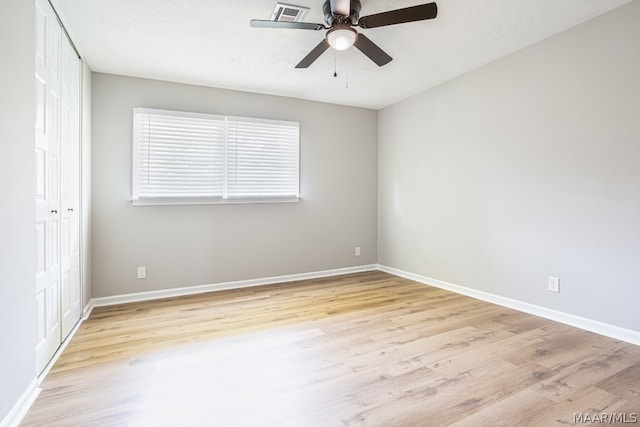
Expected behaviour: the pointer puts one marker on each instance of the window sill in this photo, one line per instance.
(162, 201)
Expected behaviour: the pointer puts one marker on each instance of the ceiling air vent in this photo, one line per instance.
(288, 13)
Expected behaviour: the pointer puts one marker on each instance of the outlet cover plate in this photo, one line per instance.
(554, 284)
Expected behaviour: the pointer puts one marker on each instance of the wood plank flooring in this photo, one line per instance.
(366, 349)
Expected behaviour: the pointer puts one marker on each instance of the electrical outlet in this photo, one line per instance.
(357, 251)
(142, 272)
(554, 284)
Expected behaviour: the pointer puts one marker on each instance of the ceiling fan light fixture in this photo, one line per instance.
(341, 37)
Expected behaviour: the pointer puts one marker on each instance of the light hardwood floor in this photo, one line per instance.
(366, 349)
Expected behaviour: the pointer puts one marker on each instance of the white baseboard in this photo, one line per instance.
(19, 410)
(59, 351)
(86, 312)
(601, 328)
(192, 290)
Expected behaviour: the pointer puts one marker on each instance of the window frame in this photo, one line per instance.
(224, 198)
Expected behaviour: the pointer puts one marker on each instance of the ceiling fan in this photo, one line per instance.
(340, 16)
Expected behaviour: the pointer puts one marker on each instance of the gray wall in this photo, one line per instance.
(17, 170)
(525, 168)
(205, 244)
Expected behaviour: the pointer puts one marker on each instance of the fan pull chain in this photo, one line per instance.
(335, 63)
(346, 80)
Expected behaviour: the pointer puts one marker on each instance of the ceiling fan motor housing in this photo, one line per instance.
(332, 19)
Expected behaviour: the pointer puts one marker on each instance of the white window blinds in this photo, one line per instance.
(262, 158)
(179, 157)
(178, 154)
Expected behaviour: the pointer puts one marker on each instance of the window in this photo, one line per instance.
(183, 158)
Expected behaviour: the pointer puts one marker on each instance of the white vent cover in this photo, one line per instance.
(288, 12)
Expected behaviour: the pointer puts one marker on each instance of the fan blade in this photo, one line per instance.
(372, 50)
(400, 16)
(314, 54)
(257, 23)
(340, 7)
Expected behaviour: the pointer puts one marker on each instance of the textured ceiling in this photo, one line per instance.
(209, 42)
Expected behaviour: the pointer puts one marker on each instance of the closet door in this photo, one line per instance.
(70, 306)
(57, 184)
(48, 38)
